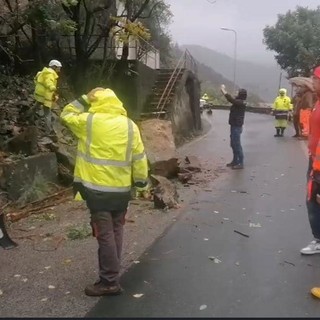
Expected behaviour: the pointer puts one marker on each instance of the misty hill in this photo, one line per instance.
(212, 80)
(262, 80)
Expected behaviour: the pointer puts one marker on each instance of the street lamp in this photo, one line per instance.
(235, 55)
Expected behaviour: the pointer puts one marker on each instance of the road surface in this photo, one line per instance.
(260, 276)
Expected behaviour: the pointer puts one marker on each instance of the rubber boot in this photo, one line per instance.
(282, 131)
(5, 241)
(278, 132)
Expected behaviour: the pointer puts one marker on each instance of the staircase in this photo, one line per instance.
(163, 93)
(158, 90)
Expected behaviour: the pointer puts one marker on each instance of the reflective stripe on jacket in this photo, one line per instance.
(45, 86)
(110, 151)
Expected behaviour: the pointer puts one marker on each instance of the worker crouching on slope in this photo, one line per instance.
(281, 108)
(110, 156)
(45, 92)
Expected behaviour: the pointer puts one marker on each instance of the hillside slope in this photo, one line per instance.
(261, 80)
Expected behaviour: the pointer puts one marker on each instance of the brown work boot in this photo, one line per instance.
(100, 289)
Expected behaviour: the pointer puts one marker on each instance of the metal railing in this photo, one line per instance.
(186, 61)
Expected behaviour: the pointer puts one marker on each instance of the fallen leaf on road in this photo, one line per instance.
(24, 280)
(44, 300)
(290, 263)
(51, 287)
(237, 264)
(215, 260)
(215, 211)
(68, 292)
(17, 275)
(41, 272)
(47, 268)
(203, 307)
(138, 295)
(254, 225)
(67, 261)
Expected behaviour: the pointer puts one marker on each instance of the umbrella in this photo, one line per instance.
(302, 82)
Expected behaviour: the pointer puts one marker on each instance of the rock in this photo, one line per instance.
(25, 142)
(165, 193)
(184, 177)
(16, 177)
(167, 168)
(192, 164)
(160, 147)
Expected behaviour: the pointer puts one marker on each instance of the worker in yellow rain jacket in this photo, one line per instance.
(110, 157)
(281, 108)
(45, 92)
(205, 97)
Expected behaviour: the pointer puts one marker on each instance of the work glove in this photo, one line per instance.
(55, 97)
(142, 190)
(223, 89)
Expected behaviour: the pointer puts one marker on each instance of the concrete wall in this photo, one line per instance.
(185, 111)
(133, 86)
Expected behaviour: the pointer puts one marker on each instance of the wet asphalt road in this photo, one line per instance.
(260, 276)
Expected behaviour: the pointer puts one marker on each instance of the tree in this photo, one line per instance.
(295, 39)
(145, 19)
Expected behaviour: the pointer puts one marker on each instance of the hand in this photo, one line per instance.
(223, 89)
(316, 176)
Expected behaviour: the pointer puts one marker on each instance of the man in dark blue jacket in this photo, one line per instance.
(236, 121)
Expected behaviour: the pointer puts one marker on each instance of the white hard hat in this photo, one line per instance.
(55, 63)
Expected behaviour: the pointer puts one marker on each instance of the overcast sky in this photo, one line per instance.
(199, 22)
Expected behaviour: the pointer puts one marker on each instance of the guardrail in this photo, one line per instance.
(248, 109)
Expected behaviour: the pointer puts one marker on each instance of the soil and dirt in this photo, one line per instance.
(56, 258)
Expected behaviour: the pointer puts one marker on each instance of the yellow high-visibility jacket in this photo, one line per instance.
(282, 104)
(45, 86)
(110, 153)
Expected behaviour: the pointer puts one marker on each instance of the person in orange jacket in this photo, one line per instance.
(313, 175)
(307, 102)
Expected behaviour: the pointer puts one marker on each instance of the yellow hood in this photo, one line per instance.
(105, 101)
(46, 70)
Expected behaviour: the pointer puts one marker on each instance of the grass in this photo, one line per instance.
(44, 217)
(79, 232)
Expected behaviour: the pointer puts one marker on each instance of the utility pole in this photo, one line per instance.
(280, 80)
